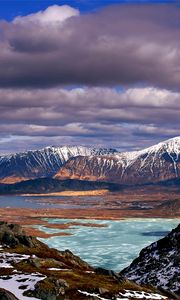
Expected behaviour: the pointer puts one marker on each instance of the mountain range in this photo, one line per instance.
(42, 163)
(160, 162)
(157, 163)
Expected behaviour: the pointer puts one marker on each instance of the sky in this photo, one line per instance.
(96, 73)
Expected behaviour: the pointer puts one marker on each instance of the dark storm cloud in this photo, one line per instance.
(119, 45)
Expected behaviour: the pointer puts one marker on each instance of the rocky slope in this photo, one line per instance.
(158, 264)
(31, 270)
(41, 163)
(157, 163)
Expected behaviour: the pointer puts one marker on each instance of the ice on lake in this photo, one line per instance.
(114, 246)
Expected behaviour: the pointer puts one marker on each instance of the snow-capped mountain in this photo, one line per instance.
(153, 164)
(42, 163)
(158, 264)
(156, 163)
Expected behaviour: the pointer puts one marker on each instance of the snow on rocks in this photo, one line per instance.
(158, 264)
(58, 269)
(128, 295)
(141, 295)
(19, 283)
(8, 259)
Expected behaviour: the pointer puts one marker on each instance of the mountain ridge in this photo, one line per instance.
(41, 163)
(152, 164)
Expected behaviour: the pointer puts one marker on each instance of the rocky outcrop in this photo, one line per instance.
(158, 264)
(12, 235)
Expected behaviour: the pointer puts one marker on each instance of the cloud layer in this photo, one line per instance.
(109, 78)
(101, 116)
(119, 45)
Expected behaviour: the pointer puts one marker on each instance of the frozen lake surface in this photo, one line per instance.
(112, 247)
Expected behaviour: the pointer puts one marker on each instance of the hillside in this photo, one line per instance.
(158, 264)
(50, 185)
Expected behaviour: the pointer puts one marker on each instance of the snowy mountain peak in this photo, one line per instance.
(158, 162)
(171, 145)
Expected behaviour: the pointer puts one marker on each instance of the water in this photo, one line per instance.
(37, 202)
(112, 247)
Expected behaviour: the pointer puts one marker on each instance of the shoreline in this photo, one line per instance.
(30, 218)
(104, 206)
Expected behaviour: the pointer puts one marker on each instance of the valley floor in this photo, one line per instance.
(109, 206)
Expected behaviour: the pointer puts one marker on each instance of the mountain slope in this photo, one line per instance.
(157, 163)
(158, 264)
(41, 163)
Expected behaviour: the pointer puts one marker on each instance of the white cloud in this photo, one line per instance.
(151, 96)
(53, 14)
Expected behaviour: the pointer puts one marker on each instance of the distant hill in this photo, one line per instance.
(50, 185)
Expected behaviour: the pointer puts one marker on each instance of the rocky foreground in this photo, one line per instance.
(31, 270)
(158, 264)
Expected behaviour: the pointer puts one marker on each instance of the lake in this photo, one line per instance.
(39, 202)
(112, 247)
